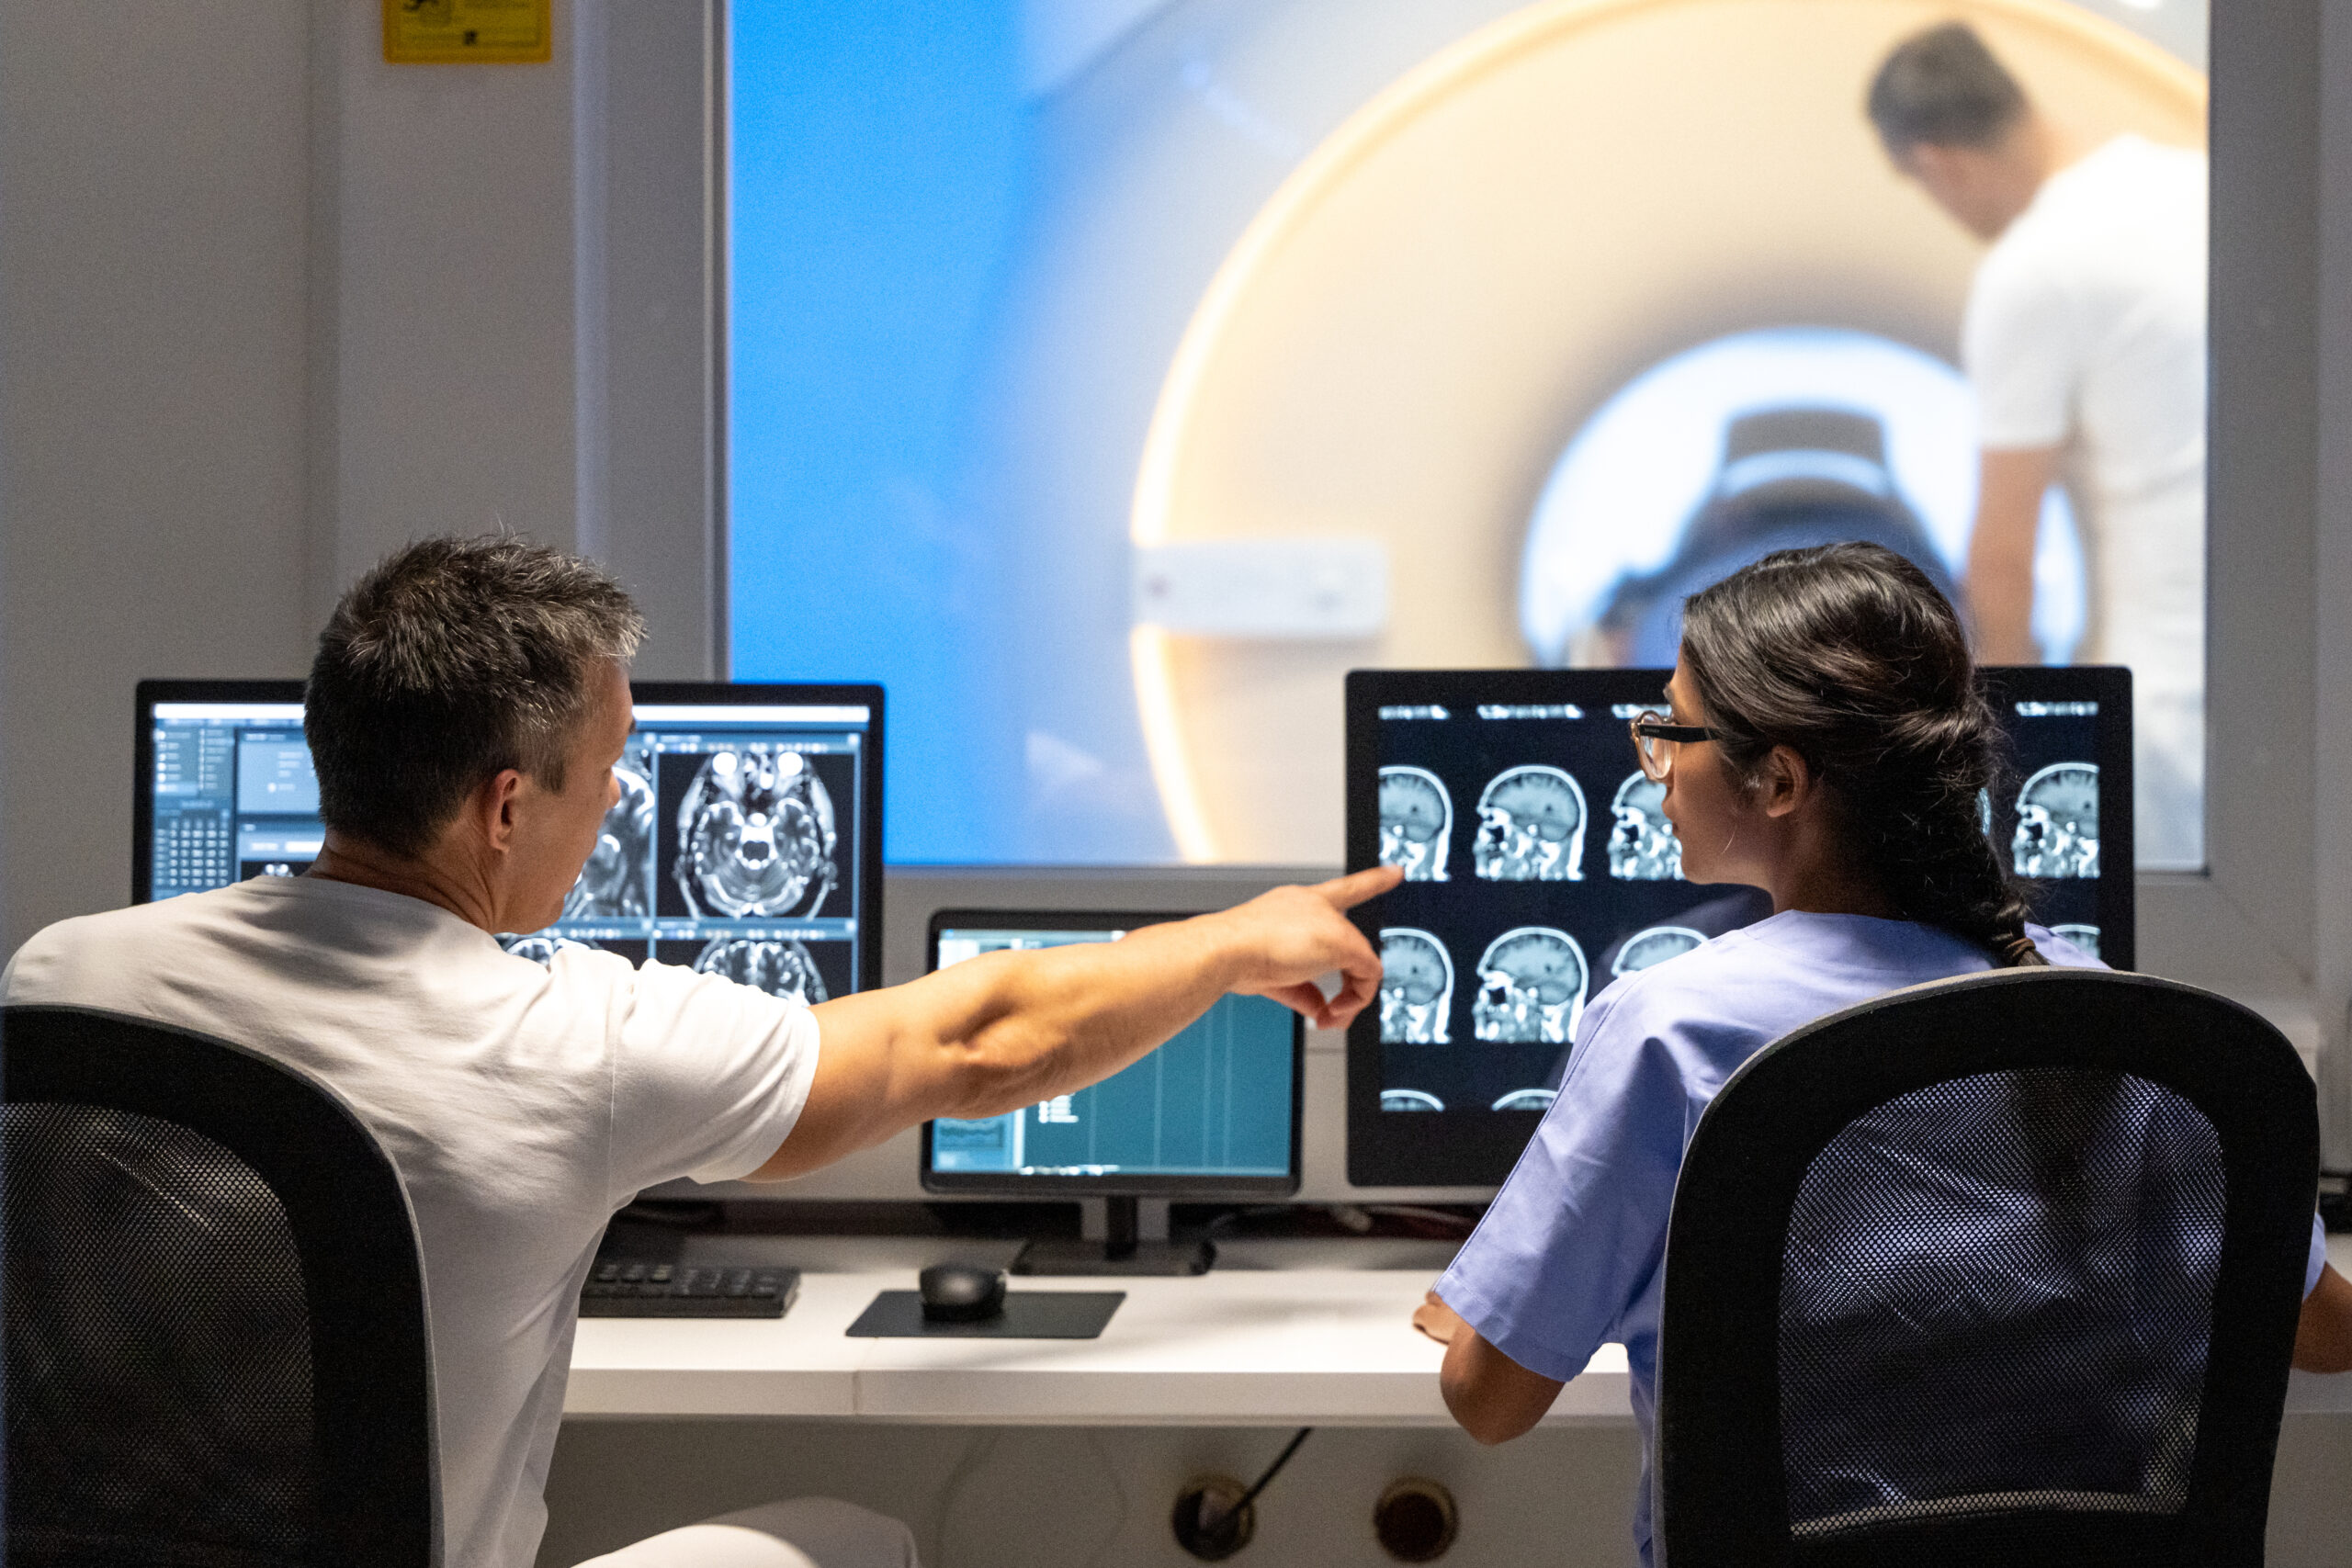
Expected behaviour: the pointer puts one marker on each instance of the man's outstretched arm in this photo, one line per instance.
(1006, 1030)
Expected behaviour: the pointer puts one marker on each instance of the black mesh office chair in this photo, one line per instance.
(2002, 1270)
(216, 1352)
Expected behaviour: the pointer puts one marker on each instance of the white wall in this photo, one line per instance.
(270, 307)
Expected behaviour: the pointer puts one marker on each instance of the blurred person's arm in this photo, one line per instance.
(1006, 1030)
(2000, 552)
(2323, 1334)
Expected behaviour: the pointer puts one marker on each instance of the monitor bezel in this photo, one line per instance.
(1050, 1188)
(678, 694)
(1384, 1149)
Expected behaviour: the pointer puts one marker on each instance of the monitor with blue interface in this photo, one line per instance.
(1540, 867)
(1213, 1113)
(746, 842)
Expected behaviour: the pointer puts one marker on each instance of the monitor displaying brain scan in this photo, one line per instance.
(743, 838)
(1488, 975)
(1416, 822)
(1531, 826)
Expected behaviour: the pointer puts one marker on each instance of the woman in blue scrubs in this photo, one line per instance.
(1824, 741)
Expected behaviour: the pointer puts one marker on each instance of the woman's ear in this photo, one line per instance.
(1783, 784)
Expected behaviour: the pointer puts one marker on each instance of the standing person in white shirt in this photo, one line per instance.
(2085, 340)
(468, 704)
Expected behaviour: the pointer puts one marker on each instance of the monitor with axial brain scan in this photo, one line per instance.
(746, 841)
(1541, 867)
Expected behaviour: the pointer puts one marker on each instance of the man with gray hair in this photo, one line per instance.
(467, 706)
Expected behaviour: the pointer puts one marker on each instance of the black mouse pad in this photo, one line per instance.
(1028, 1314)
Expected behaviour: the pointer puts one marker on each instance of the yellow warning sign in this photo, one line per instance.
(443, 32)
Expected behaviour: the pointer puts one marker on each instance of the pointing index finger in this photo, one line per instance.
(1347, 892)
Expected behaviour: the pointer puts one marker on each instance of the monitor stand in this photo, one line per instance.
(1122, 1250)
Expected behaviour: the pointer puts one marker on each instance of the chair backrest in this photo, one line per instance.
(1999, 1270)
(216, 1348)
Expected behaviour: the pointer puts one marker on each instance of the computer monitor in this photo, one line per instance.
(747, 842)
(1539, 868)
(1213, 1114)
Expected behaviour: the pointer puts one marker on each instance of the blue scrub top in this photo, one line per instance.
(1569, 1257)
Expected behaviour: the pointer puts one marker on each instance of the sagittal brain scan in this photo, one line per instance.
(1531, 827)
(755, 835)
(1416, 822)
(1527, 1100)
(1410, 1100)
(2057, 831)
(615, 884)
(2083, 937)
(1531, 987)
(1642, 845)
(1655, 945)
(781, 968)
(1416, 988)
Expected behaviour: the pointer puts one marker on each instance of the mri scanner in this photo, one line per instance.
(1378, 385)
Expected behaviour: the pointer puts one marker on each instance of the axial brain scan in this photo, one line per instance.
(1416, 988)
(1530, 828)
(1410, 1100)
(1416, 822)
(1527, 1100)
(2083, 937)
(1531, 987)
(755, 835)
(1655, 945)
(541, 949)
(1642, 845)
(612, 884)
(2058, 822)
(779, 968)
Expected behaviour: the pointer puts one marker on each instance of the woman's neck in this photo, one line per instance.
(1816, 875)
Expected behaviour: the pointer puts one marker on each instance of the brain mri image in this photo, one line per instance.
(1410, 1100)
(615, 883)
(541, 948)
(1416, 822)
(756, 837)
(2083, 937)
(2057, 833)
(1531, 827)
(1416, 988)
(1655, 945)
(781, 968)
(1527, 1100)
(1642, 845)
(1531, 987)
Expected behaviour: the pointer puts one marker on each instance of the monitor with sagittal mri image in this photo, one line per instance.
(746, 842)
(1519, 910)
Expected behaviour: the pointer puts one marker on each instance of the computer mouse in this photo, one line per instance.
(961, 1293)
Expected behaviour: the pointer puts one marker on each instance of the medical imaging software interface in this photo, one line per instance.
(1213, 1103)
(733, 849)
(1540, 867)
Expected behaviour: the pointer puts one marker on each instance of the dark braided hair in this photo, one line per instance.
(1846, 655)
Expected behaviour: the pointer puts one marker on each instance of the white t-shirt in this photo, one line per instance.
(2086, 330)
(520, 1106)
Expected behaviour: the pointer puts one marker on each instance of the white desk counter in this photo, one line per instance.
(1279, 1335)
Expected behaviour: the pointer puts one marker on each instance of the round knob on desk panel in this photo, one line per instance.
(1415, 1520)
(1205, 1525)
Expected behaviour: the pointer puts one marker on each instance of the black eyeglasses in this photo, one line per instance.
(1656, 739)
